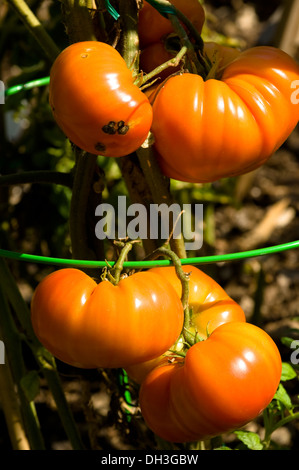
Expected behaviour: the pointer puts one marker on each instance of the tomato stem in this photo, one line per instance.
(184, 278)
(49, 47)
(130, 39)
(197, 64)
(142, 79)
(115, 273)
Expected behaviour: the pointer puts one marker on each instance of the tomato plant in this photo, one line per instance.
(152, 26)
(225, 382)
(210, 307)
(229, 123)
(95, 102)
(89, 324)
(156, 54)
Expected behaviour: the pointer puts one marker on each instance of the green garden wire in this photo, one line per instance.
(27, 86)
(150, 263)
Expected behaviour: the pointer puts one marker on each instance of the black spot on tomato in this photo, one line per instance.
(113, 128)
(100, 147)
(109, 128)
(122, 128)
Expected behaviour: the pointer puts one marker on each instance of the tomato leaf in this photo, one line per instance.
(30, 385)
(283, 397)
(250, 439)
(287, 373)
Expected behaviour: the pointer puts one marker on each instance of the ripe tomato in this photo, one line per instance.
(95, 102)
(92, 325)
(152, 26)
(211, 307)
(227, 125)
(225, 382)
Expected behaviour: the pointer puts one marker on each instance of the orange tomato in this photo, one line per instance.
(228, 125)
(89, 324)
(225, 382)
(95, 102)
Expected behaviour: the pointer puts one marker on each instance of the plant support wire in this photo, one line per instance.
(150, 263)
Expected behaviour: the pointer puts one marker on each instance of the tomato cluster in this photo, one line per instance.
(225, 119)
(229, 374)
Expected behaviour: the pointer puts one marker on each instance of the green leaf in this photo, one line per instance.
(282, 396)
(250, 439)
(287, 373)
(30, 384)
(286, 341)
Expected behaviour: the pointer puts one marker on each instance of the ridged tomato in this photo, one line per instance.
(228, 125)
(89, 324)
(225, 382)
(95, 102)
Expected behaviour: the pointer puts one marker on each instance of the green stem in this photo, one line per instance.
(10, 405)
(118, 267)
(13, 348)
(36, 28)
(130, 39)
(32, 177)
(170, 63)
(279, 424)
(183, 277)
(197, 63)
(45, 361)
(157, 183)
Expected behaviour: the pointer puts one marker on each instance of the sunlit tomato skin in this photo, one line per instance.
(95, 102)
(210, 307)
(152, 26)
(88, 324)
(225, 382)
(229, 125)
